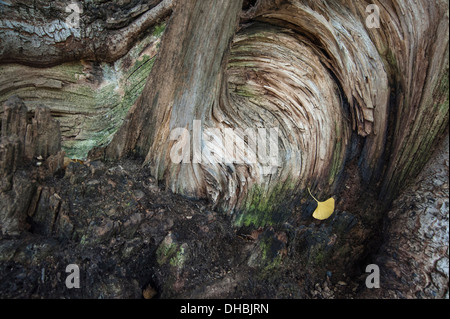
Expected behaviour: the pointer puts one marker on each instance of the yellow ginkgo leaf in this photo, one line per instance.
(324, 209)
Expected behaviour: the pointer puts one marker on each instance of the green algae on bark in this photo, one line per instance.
(89, 99)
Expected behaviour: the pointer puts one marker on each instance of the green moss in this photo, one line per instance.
(83, 240)
(135, 81)
(265, 207)
(172, 253)
(91, 111)
(159, 30)
(319, 254)
(115, 105)
(338, 158)
(336, 163)
(391, 59)
(317, 257)
(244, 91)
(69, 71)
(443, 107)
(256, 210)
(267, 257)
(122, 88)
(166, 252)
(179, 259)
(237, 62)
(443, 89)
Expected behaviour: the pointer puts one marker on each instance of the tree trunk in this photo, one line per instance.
(36, 33)
(249, 104)
(336, 91)
(184, 87)
(332, 89)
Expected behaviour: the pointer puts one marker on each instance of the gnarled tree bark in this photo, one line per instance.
(357, 110)
(316, 72)
(336, 90)
(35, 33)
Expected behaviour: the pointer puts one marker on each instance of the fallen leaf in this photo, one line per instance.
(324, 209)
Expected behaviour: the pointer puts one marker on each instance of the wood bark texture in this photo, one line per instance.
(338, 91)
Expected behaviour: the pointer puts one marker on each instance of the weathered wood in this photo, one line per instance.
(357, 112)
(90, 99)
(183, 87)
(36, 33)
(316, 72)
(337, 90)
(413, 258)
(20, 143)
